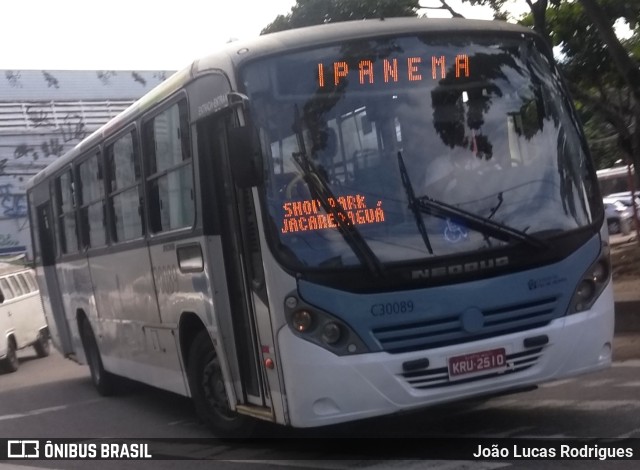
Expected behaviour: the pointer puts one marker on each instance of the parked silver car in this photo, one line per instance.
(619, 216)
(625, 198)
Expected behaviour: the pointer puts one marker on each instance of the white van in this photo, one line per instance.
(22, 321)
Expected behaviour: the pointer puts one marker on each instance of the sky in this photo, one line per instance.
(138, 34)
(134, 34)
(144, 34)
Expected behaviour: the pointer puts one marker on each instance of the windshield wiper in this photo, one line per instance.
(413, 203)
(320, 190)
(473, 221)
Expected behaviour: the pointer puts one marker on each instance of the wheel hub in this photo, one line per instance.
(214, 390)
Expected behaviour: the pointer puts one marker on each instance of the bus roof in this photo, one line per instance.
(335, 33)
(234, 54)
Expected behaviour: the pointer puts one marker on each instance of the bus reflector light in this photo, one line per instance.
(302, 320)
(331, 333)
(268, 363)
(291, 302)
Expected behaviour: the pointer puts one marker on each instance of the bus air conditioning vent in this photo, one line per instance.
(451, 329)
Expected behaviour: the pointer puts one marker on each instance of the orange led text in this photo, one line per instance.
(308, 215)
(414, 69)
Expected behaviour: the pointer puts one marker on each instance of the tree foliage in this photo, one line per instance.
(605, 98)
(312, 12)
(603, 93)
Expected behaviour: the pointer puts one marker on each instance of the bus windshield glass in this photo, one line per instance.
(422, 146)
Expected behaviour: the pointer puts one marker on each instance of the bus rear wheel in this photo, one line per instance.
(102, 380)
(208, 392)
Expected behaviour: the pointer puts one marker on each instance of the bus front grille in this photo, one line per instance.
(433, 378)
(449, 330)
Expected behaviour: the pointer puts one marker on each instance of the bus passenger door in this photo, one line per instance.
(50, 289)
(224, 220)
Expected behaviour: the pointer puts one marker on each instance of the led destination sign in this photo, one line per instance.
(308, 215)
(412, 69)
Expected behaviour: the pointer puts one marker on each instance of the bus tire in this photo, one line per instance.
(42, 345)
(102, 380)
(10, 363)
(208, 391)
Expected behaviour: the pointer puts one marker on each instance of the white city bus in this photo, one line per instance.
(334, 223)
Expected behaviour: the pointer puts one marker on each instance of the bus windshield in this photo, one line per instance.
(423, 146)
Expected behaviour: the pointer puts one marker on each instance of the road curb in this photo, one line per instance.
(627, 316)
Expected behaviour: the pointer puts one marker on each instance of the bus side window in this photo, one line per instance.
(6, 289)
(169, 175)
(91, 201)
(66, 213)
(124, 186)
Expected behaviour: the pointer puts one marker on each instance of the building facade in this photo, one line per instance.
(45, 113)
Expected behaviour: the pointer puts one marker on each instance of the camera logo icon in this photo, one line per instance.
(23, 448)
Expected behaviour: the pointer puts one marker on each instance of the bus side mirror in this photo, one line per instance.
(245, 157)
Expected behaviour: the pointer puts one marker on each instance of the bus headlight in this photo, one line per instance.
(592, 284)
(321, 328)
(301, 320)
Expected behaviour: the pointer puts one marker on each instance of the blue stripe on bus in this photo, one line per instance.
(432, 317)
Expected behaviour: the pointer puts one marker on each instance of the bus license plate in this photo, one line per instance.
(468, 365)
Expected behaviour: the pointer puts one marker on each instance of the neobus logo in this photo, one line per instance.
(453, 269)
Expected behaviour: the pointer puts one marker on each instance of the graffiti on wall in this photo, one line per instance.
(13, 77)
(50, 79)
(12, 204)
(71, 128)
(27, 157)
(7, 240)
(39, 128)
(105, 76)
(14, 236)
(50, 147)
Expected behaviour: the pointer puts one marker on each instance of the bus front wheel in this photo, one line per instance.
(102, 380)
(208, 391)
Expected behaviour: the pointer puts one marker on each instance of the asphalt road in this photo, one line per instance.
(53, 397)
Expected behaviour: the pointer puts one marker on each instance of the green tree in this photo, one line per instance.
(313, 12)
(538, 12)
(602, 83)
(604, 98)
(628, 70)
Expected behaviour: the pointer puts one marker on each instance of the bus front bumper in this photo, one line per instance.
(324, 389)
